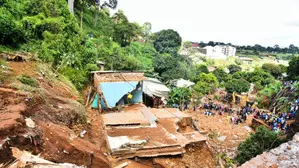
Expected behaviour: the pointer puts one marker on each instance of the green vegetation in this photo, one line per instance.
(237, 86)
(207, 83)
(234, 68)
(167, 41)
(27, 80)
(179, 96)
(293, 69)
(265, 95)
(262, 140)
(273, 69)
(72, 44)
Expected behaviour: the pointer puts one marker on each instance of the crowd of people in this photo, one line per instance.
(278, 122)
(237, 115)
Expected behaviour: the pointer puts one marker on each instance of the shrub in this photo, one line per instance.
(262, 140)
(237, 86)
(76, 76)
(293, 67)
(27, 80)
(207, 83)
(273, 69)
(234, 68)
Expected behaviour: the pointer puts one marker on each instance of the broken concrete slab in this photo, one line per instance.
(125, 118)
(167, 133)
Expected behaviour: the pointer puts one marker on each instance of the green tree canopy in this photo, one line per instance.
(273, 69)
(206, 84)
(262, 140)
(293, 68)
(221, 75)
(198, 69)
(167, 41)
(234, 68)
(179, 96)
(260, 76)
(237, 86)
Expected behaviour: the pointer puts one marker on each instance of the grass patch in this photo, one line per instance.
(27, 80)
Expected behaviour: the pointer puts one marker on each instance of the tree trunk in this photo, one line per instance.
(71, 6)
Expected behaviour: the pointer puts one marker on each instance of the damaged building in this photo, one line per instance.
(134, 130)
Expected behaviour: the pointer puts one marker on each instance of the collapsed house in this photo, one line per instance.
(149, 132)
(136, 130)
(113, 89)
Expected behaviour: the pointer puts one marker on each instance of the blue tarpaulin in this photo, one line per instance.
(114, 91)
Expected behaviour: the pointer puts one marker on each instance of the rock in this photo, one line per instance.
(30, 123)
(289, 147)
(221, 138)
(296, 138)
(248, 128)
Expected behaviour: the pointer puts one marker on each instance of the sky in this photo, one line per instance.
(240, 22)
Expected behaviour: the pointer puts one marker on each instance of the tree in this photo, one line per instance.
(198, 69)
(293, 69)
(207, 83)
(10, 32)
(167, 41)
(237, 86)
(262, 140)
(273, 69)
(146, 31)
(221, 75)
(283, 68)
(124, 31)
(179, 96)
(234, 68)
(260, 76)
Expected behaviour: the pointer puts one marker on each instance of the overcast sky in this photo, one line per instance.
(241, 22)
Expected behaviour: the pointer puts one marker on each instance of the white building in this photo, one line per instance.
(219, 52)
(228, 50)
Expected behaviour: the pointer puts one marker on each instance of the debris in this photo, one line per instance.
(25, 159)
(30, 123)
(122, 165)
(83, 133)
(248, 128)
(221, 138)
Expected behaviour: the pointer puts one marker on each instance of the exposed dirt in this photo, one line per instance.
(52, 108)
(63, 145)
(220, 126)
(60, 119)
(197, 155)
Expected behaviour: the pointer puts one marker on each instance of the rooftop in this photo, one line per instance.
(117, 76)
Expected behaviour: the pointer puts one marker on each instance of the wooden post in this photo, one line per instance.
(99, 102)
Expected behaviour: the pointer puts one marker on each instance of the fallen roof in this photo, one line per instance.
(129, 135)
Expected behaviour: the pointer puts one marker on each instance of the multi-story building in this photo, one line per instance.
(228, 50)
(219, 51)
